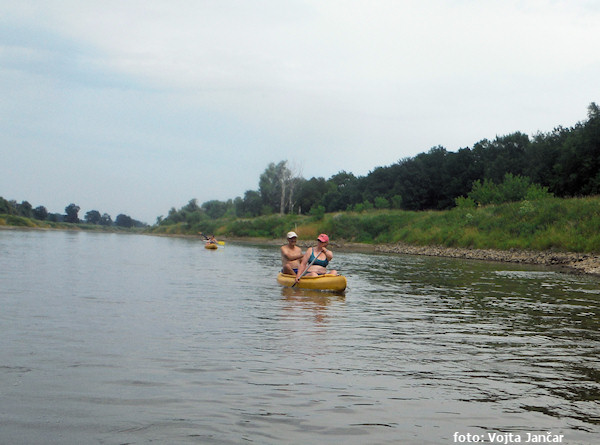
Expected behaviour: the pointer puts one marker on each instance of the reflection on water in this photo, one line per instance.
(316, 302)
(131, 339)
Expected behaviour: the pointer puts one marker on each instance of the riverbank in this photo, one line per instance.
(569, 261)
(580, 263)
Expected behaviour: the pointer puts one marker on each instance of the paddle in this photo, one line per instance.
(306, 270)
(221, 243)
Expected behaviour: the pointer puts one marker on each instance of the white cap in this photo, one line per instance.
(292, 235)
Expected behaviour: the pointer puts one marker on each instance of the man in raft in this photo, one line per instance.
(291, 255)
(316, 259)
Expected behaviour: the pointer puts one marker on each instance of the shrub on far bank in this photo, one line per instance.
(16, 221)
(513, 188)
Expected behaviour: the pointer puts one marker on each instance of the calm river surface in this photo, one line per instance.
(131, 339)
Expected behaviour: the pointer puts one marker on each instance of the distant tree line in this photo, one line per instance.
(71, 215)
(564, 162)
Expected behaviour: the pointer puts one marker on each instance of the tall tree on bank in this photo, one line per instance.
(40, 212)
(285, 175)
(93, 217)
(276, 187)
(269, 186)
(294, 181)
(105, 220)
(71, 213)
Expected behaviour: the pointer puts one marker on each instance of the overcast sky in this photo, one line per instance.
(138, 106)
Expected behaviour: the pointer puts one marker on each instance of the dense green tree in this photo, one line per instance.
(592, 141)
(40, 213)
(310, 193)
(346, 192)
(379, 182)
(542, 156)
(5, 207)
(506, 154)
(294, 184)
(238, 205)
(461, 170)
(269, 185)
(55, 217)
(215, 209)
(93, 217)
(190, 213)
(124, 221)
(419, 180)
(191, 206)
(577, 168)
(251, 204)
(105, 220)
(433, 169)
(173, 217)
(406, 179)
(332, 201)
(277, 187)
(25, 209)
(71, 212)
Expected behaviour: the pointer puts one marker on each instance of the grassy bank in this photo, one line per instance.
(569, 225)
(552, 224)
(29, 223)
(549, 224)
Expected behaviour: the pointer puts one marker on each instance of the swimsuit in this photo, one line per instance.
(317, 262)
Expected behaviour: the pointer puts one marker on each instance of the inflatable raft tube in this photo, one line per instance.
(329, 282)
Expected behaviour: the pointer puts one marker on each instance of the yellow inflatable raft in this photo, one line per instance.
(211, 246)
(336, 283)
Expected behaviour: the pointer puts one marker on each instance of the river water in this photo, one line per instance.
(131, 339)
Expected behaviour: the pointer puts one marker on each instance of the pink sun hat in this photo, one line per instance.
(323, 238)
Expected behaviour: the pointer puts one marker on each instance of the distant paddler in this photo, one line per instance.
(211, 239)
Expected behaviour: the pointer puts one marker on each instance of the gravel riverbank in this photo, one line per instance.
(572, 262)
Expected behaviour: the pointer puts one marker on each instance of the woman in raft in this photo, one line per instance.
(319, 256)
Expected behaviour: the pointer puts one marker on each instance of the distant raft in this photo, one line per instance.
(335, 283)
(211, 246)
